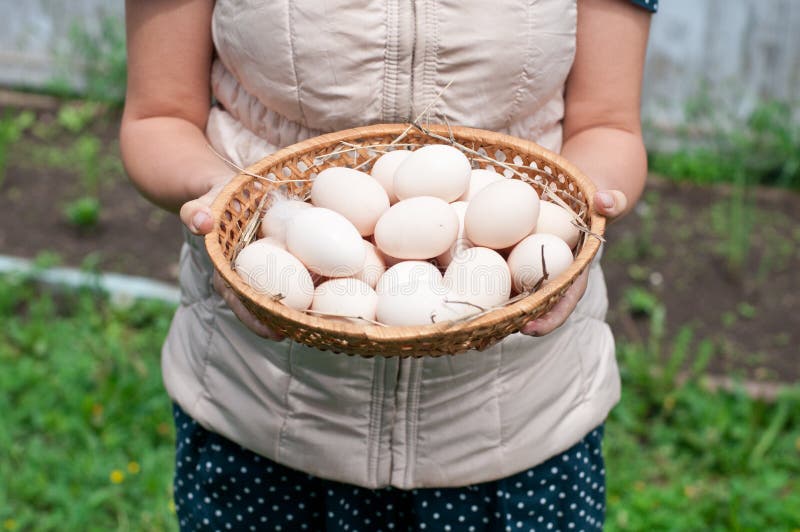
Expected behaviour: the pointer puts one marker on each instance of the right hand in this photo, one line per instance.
(196, 215)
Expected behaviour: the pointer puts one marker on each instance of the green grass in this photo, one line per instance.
(685, 457)
(764, 147)
(86, 432)
(87, 438)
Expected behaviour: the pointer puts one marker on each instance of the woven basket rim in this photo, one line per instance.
(379, 333)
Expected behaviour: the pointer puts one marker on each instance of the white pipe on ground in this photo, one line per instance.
(122, 289)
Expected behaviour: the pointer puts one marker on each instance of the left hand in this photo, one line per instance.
(609, 203)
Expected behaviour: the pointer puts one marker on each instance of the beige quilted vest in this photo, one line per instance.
(290, 70)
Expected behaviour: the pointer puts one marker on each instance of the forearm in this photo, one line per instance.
(168, 160)
(614, 159)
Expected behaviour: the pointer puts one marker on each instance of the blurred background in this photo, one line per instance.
(703, 281)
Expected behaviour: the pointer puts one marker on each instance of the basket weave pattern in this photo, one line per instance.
(240, 200)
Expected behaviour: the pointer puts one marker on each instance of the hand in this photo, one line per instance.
(196, 215)
(609, 203)
(241, 312)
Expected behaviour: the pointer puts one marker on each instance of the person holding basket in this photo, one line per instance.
(275, 435)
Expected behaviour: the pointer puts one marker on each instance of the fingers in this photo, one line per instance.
(560, 312)
(610, 203)
(241, 312)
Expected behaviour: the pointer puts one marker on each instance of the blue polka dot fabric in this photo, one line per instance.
(650, 5)
(221, 486)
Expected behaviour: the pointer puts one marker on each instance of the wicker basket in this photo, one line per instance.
(240, 199)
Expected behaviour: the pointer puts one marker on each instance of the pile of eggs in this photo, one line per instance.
(372, 247)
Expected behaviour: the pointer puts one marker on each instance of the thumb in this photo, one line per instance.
(196, 214)
(610, 203)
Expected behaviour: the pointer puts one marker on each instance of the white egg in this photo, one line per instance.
(374, 266)
(410, 304)
(271, 270)
(435, 170)
(461, 242)
(410, 272)
(384, 168)
(272, 241)
(355, 195)
(417, 228)
(525, 260)
(273, 223)
(326, 242)
(478, 180)
(501, 214)
(479, 276)
(556, 220)
(346, 297)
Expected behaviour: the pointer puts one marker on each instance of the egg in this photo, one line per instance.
(525, 260)
(374, 266)
(556, 220)
(326, 242)
(271, 240)
(414, 272)
(501, 214)
(273, 271)
(478, 180)
(479, 276)
(422, 301)
(461, 242)
(355, 195)
(346, 297)
(413, 303)
(273, 223)
(417, 228)
(435, 170)
(384, 168)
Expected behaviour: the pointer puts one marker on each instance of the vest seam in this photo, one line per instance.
(412, 415)
(390, 55)
(294, 62)
(393, 421)
(523, 78)
(501, 447)
(287, 410)
(375, 420)
(412, 77)
(431, 57)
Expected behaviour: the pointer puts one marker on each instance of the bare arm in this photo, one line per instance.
(602, 125)
(602, 129)
(164, 147)
(168, 99)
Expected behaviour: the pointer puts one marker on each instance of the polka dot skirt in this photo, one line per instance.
(219, 485)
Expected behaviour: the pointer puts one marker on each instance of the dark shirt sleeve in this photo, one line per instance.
(650, 5)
